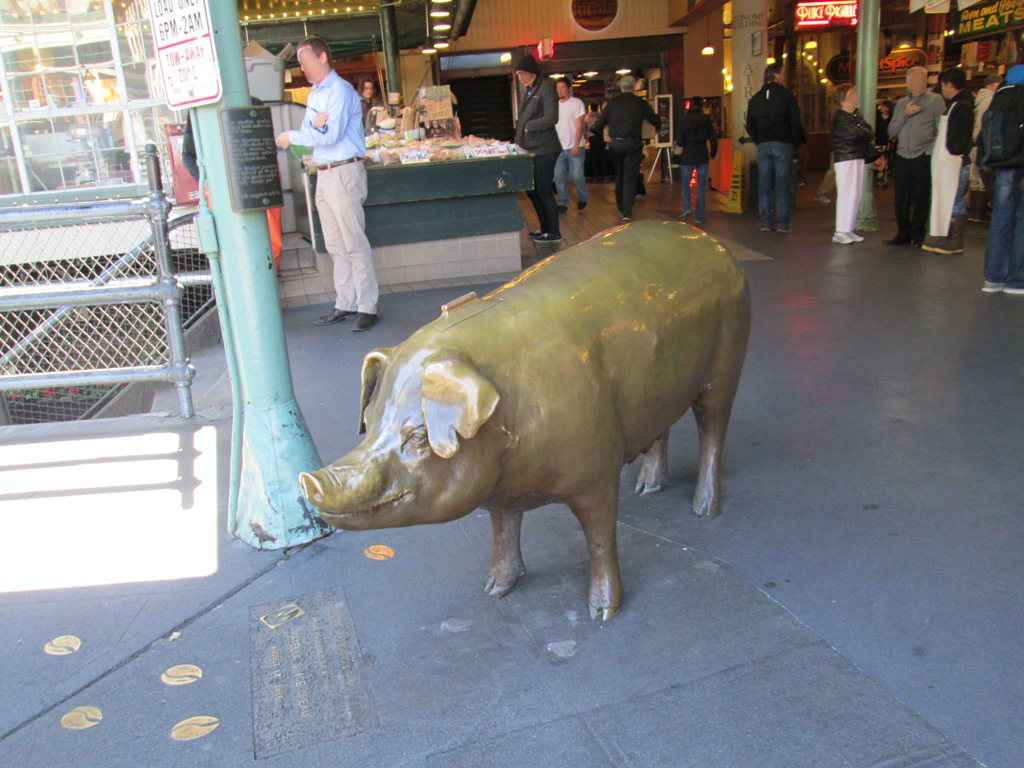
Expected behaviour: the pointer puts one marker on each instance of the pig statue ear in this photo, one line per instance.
(373, 367)
(456, 401)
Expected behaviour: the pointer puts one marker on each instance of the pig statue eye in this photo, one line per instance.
(417, 438)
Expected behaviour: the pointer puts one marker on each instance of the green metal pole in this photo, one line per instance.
(276, 445)
(867, 86)
(389, 35)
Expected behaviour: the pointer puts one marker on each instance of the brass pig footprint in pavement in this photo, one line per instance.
(182, 674)
(62, 646)
(80, 718)
(194, 728)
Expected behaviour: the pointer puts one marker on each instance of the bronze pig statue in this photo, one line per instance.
(543, 389)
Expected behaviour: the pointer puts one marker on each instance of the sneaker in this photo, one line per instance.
(699, 223)
(783, 230)
(841, 238)
(822, 199)
(855, 237)
(1014, 290)
(628, 218)
(536, 233)
(766, 229)
(991, 287)
(686, 215)
(563, 208)
(581, 206)
(547, 237)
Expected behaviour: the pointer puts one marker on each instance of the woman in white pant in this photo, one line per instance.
(851, 142)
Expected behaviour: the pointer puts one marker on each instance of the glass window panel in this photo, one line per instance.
(10, 183)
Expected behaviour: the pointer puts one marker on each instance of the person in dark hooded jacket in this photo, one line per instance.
(773, 122)
(694, 135)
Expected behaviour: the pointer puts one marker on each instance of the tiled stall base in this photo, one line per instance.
(416, 266)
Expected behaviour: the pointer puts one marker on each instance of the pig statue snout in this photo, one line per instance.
(343, 491)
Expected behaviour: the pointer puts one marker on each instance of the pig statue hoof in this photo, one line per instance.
(643, 489)
(603, 612)
(500, 583)
(705, 507)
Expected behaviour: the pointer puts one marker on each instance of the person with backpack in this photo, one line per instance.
(1001, 149)
(951, 166)
(695, 134)
(852, 143)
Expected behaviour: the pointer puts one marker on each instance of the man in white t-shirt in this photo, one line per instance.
(571, 112)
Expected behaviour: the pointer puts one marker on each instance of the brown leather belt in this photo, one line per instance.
(328, 166)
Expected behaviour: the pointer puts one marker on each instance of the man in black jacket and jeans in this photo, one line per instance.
(625, 117)
(535, 132)
(773, 122)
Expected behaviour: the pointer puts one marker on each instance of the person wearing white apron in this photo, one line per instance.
(951, 166)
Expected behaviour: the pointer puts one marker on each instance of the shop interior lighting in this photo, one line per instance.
(622, 71)
(442, 27)
(707, 50)
(556, 75)
(505, 58)
(440, 44)
(904, 45)
(770, 60)
(429, 50)
(824, 81)
(439, 14)
(810, 45)
(590, 74)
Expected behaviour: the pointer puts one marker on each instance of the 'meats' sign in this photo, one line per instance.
(826, 13)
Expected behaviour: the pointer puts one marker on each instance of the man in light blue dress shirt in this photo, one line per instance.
(333, 127)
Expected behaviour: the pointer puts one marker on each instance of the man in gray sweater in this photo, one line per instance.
(914, 121)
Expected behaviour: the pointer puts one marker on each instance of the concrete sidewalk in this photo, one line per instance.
(870, 497)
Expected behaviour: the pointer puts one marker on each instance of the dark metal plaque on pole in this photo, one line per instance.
(253, 175)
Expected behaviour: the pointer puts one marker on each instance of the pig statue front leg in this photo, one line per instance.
(597, 510)
(654, 470)
(507, 561)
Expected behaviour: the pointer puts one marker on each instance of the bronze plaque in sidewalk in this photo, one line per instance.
(307, 673)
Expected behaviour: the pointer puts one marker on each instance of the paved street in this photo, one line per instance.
(854, 605)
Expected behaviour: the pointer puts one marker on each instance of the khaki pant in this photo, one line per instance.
(340, 194)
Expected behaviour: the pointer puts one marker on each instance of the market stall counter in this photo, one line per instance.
(451, 217)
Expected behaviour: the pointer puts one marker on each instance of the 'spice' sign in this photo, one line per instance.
(826, 13)
(183, 36)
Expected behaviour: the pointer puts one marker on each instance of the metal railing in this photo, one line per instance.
(93, 298)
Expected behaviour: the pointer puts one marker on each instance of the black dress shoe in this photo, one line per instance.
(364, 322)
(916, 243)
(563, 208)
(334, 316)
(547, 237)
(581, 206)
(898, 240)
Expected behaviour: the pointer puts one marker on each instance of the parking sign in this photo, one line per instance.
(183, 36)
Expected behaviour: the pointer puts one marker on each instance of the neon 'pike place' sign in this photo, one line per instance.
(826, 13)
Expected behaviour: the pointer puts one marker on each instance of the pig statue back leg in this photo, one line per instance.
(654, 470)
(507, 561)
(712, 408)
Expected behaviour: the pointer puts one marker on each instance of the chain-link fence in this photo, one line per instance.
(93, 298)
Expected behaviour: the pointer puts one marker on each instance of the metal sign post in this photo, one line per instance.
(267, 511)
